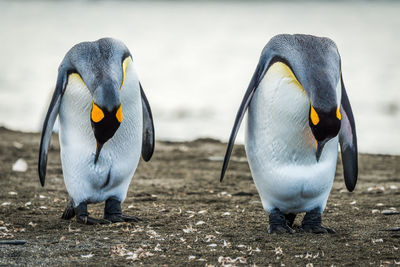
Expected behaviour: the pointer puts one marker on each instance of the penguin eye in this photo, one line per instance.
(125, 65)
(97, 114)
(314, 116)
(338, 115)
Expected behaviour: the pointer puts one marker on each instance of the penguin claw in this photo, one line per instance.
(280, 229)
(113, 212)
(279, 223)
(312, 223)
(318, 229)
(121, 218)
(69, 211)
(83, 219)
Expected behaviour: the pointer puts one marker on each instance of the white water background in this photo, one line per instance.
(195, 59)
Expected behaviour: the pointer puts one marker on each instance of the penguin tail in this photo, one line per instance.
(69, 211)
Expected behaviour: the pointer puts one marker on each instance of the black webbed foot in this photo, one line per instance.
(113, 212)
(278, 224)
(69, 211)
(82, 216)
(290, 219)
(312, 223)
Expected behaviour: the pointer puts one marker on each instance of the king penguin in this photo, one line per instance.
(105, 124)
(298, 112)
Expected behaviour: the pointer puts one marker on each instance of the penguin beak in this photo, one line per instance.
(320, 147)
(104, 124)
(99, 146)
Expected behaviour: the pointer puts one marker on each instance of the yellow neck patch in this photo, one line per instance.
(338, 115)
(314, 116)
(119, 114)
(97, 114)
(284, 70)
(125, 65)
(75, 77)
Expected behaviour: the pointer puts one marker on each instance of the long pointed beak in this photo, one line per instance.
(98, 149)
(320, 147)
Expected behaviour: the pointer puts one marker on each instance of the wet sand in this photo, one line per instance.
(189, 217)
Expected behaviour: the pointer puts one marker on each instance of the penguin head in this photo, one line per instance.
(323, 88)
(324, 125)
(101, 66)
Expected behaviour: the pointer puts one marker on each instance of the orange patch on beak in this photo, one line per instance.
(97, 114)
(314, 116)
(119, 114)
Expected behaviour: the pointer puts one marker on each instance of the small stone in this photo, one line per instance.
(18, 145)
(20, 165)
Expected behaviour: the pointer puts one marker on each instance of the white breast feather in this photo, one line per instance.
(281, 148)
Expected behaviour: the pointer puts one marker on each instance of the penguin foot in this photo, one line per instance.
(312, 223)
(121, 218)
(290, 219)
(69, 211)
(90, 220)
(113, 212)
(318, 229)
(278, 223)
(82, 216)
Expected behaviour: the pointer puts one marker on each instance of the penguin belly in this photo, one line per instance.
(281, 148)
(119, 157)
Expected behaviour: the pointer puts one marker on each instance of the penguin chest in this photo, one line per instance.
(281, 147)
(111, 175)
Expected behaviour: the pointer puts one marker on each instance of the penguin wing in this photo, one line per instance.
(348, 142)
(49, 123)
(255, 81)
(148, 128)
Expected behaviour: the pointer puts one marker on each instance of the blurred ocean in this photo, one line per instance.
(195, 59)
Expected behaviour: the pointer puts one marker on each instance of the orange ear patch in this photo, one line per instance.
(119, 114)
(314, 116)
(97, 114)
(338, 115)
(125, 65)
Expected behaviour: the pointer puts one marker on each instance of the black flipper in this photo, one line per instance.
(258, 75)
(148, 128)
(348, 142)
(49, 122)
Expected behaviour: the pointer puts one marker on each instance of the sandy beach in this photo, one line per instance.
(189, 217)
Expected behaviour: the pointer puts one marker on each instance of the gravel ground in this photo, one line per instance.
(189, 218)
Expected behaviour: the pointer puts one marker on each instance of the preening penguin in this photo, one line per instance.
(105, 124)
(298, 111)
